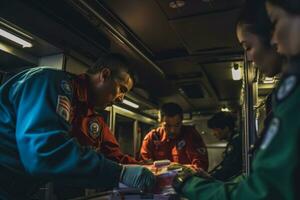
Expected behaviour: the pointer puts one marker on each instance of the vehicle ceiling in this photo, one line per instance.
(181, 54)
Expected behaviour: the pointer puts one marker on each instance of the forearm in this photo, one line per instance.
(199, 188)
(68, 162)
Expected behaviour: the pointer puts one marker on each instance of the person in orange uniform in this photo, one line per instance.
(90, 129)
(87, 126)
(174, 141)
(96, 134)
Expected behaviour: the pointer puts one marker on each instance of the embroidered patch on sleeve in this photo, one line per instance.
(202, 150)
(181, 144)
(229, 148)
(271, 133)
(286, 87)
(66, 87)
(63, 107)
(95, 129)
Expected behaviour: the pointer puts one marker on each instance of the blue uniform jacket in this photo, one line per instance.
(35, 144)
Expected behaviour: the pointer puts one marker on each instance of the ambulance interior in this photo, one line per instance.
(181, 51)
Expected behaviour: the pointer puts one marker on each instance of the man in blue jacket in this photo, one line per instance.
(38, 109)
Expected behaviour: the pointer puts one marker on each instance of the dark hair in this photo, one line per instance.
(291, 6)
(115, 62)
(170, 110)
(255, 19)
(221, 120)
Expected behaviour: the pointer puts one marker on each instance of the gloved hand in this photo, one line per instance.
(184, 173)
(137, 177)
(179, 167)
(189, 169)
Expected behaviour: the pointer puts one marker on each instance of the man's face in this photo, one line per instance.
(220, 134)
(107, 90)
(172, 125)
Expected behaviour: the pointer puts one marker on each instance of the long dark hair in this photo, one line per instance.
(254, 18)
(291, 6)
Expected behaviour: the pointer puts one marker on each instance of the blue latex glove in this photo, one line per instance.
(137, 177)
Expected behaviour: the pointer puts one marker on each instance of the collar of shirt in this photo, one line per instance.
(164, 136)
(81, 94)
(81, 88)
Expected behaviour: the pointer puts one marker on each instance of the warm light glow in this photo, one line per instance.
(15, 39)
(224, 109)
(177, 4)
(268, 80)
(236, 73)
(131, 104)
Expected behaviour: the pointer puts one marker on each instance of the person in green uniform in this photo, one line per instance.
(253, 32)
(223, 128)
(276, 167)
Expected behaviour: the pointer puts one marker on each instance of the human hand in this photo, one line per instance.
(137, 177)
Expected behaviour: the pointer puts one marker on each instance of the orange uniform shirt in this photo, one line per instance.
(89, 127)
(188, 148)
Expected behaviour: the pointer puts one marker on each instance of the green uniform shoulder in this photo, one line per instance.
(287, 89)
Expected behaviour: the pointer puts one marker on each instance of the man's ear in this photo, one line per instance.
(105, 73)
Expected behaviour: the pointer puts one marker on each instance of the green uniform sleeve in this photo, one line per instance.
(275, 168)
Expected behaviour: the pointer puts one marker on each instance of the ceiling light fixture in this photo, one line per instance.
(15, 39)
(131, 104)
(225, 109)
(269, 80)
(181, 91)
(176, 4)
(236, 72)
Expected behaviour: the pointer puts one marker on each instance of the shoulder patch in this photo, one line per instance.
(63, 107)
(95, 128)
(286, 87)
(229, 148)
(235, 136)
(202, 150)
(181, 144)
(66, 87)
(271, 132)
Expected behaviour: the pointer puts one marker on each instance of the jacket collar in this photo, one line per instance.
(81, 90)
